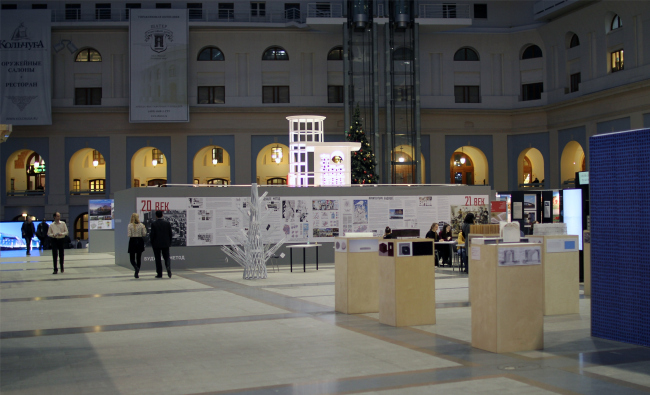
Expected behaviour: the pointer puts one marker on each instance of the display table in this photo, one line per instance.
(561, 265)
(407, 273)
(451, 245)
(304, 249)
(356, 275)
(507, 297)
(586, 253)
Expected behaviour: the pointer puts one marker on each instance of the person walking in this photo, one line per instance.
(136, 232)
(161, 240)
(28, 233)
(469, 220)
(41, 233)
(57, 233)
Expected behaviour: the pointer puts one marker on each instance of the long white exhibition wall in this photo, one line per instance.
(203, 217)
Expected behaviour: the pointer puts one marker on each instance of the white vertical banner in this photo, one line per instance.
(25, 42)
(158, 46)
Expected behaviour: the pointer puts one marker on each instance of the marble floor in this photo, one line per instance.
(97, 330)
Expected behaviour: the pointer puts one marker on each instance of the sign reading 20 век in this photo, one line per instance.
(158, 45)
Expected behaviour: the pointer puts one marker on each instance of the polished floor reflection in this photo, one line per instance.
(97, 330)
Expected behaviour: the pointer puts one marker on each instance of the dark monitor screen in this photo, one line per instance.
(407, 233)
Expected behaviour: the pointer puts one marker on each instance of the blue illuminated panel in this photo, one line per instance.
(620, 300)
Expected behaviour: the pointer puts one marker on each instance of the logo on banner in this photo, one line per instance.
(21, 40)
(158, 37)
(21, 101)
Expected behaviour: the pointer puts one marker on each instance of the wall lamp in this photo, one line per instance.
(65, 44)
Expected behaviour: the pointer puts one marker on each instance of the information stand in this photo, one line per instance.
(356, 275)
(407, 273)
(507, 298)
(560, 262)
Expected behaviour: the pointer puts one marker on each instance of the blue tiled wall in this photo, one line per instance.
(620, 301)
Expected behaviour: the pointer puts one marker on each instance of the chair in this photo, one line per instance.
(274, 261)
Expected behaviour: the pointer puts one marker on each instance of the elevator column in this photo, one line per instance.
(360, 72)
(402, 95)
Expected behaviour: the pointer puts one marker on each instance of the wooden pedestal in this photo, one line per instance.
(507, 301)
(561, 274)
(356, 276)
(407, 292)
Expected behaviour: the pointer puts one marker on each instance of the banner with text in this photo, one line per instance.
(25, 67)
(158, 44)
(198, 221)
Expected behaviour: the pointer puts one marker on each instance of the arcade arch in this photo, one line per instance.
(25, 172)
(148, 167)
(473, 170)
(211, 166)
(87, 171)
(572, 161)
(273, 165)
(404, 167)
(530, 166)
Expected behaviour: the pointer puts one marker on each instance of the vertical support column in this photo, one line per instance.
(118, 180)
(388, 147)
(179, 153)
(347, 103)
(499, 150)
(243, 163)
(375, 100)
(590, 130)
(416, 93)
(554, 157)
(56, 186)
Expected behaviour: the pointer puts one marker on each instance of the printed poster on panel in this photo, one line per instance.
(158, 51)
(25, 67)
(100, 214)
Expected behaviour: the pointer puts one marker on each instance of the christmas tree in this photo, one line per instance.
(363, 161)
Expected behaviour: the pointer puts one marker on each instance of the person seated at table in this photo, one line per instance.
(388, 234)
(445, 253)
(433, 234)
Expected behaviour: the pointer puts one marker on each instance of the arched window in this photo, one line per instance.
(466, 54)
(88, 55)
(532, 51)
(275, 53)
(575, 41)
(276, 181)
(616, 22)
(80, 227)
(335, 53)
(217, 181)
(403, 53)
(462, 169)
(210, 54)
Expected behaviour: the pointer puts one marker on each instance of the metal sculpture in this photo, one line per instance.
(249, 248)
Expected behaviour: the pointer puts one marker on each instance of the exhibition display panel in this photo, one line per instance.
(561, 265)
(407, 290)
(507, 300)
(356, 274)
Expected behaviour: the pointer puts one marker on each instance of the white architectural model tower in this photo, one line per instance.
(313, 162)
(250, 248)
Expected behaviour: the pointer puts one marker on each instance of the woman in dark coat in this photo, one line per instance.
(445, 253)
(469, 220)
(433, 234)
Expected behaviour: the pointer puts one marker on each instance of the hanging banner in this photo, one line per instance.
(25, 67)
(158, 45)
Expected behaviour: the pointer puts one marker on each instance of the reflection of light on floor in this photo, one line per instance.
(22, 253)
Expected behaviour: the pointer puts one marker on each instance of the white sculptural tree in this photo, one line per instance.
(250, 248)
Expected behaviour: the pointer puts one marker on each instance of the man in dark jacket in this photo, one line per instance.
(28, 233)
(41, 233)
(161, 240)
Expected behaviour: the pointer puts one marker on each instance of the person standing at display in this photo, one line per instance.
(136, 232)
(41, 233)
(445, 235)
(28, 233)
(388, 233)
(433, 234)
(161, 240)
(57, 233)
(469, 220)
